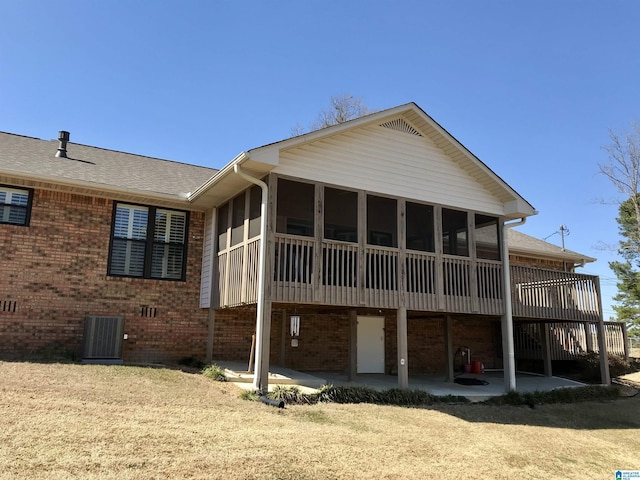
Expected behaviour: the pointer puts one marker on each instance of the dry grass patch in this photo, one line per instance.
(96, 422)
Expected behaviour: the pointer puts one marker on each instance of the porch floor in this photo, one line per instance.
(432, 383)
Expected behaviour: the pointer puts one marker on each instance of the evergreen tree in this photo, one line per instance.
(627, 271)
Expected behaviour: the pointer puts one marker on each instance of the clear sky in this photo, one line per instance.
(531, 87)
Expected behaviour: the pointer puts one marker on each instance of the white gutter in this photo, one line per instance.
(508, 350)
(261, 378)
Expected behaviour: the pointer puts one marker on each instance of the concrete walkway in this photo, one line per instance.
(434, 384)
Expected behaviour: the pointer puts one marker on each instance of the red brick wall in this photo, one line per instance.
(323, 344)
(55, 272)
(539, 263)
(233, 329)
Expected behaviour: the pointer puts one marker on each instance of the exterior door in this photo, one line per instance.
(370, 345)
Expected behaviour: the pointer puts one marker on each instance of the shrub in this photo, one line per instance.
(589, 366)
(560, 395)
(215, 372)
(290, 394)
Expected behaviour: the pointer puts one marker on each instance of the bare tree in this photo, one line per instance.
(342, 108)
(623, 167)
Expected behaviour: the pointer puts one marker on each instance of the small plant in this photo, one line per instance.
(215, 372)
(249, 395)
(290, 395)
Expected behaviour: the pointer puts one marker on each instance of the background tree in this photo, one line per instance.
(342, 108)
(623, 169)
(627, 271)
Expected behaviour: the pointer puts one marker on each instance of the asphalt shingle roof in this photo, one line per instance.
(519, 241)
(101, 167)
(32, 156)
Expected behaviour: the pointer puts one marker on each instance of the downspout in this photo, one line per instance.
(508, 350)
(259, 383)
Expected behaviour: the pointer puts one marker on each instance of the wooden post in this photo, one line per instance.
(546, 349)
(316, 277)
(439, 269)
(448, 348)
(625, 341)
(362, 241)
(403, 360)
(283, 338)
(589, 338)
(353, 345)
(210, 334)
(252, 353)
(605, 376)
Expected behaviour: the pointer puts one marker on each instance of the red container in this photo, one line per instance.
(467, 368)
(476, 367)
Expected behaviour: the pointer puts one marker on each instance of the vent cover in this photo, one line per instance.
(8, 306)
(401, 126)
(103, 339)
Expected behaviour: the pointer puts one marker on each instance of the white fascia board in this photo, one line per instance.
(519, 207)
(268, 155)
(223, 172)
(254, 166)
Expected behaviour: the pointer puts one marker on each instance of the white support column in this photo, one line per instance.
(263, 307)
(403, 354)
(262, 368)
(508, 355)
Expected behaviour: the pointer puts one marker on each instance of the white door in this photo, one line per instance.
(370, 345)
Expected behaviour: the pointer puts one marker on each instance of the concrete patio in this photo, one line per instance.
(434, 383)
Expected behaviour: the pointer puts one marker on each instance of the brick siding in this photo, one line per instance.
(55, 272)
(323, 344)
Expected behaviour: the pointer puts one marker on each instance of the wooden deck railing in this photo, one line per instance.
(341, 273)
(554, 295)
(567, 340)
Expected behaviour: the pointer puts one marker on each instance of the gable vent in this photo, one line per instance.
(401, 126)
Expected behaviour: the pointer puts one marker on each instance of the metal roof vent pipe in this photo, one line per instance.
(63, 137)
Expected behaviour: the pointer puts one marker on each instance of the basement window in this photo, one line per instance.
(148, 242)
(15, 205)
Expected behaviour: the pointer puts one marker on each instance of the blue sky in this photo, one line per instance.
(530, 87)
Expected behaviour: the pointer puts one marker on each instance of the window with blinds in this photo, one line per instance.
(15, 205)
(148, 242)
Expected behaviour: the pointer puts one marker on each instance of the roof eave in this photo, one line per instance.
(97, 187)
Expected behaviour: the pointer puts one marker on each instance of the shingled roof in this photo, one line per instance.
(98, 168)
(32, 157)
(521, 243)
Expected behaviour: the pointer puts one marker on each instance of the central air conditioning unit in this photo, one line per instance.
(102, 341)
